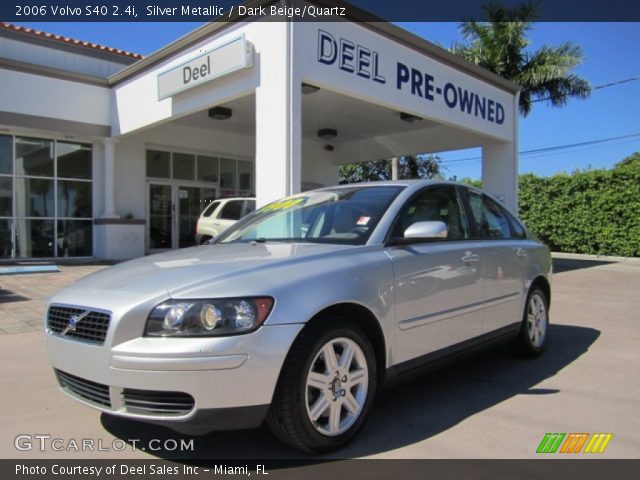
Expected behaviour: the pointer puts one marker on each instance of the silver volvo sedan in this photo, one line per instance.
(301, 311)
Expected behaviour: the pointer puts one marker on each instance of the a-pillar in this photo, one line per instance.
(278, 119)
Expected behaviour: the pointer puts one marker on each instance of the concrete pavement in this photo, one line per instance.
(491, 406)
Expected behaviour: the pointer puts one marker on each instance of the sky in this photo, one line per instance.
(610, 55)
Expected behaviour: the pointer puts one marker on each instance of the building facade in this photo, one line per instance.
(107, 154)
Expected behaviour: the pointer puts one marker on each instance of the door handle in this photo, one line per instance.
(470, 258)
(521, 252)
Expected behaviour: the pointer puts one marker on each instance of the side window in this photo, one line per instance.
(434, 204)
(232, 210)
(249, 207)
(516, 227)
(210, 209)
(491, 220)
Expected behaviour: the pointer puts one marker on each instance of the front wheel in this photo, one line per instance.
(326, 387)
(535, 324)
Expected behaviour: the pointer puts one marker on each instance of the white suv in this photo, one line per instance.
(220, 215)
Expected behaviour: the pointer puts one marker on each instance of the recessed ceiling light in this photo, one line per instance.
(220, 113)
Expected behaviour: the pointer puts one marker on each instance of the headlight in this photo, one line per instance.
(226, 316)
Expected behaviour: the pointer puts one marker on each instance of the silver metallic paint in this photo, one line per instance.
(424, 296)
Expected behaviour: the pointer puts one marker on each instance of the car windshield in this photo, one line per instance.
(345, 215)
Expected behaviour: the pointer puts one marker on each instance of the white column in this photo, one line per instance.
(500, 165)
(500, 173)
(109, 178)
(278, 118)
(394, 168)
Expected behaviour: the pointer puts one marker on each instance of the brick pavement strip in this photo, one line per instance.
(23, 297)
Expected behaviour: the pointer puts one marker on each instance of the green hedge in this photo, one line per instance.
(594, 211)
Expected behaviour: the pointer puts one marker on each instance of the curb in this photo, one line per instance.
(595, 258)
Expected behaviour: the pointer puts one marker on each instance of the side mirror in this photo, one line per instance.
(426, 230)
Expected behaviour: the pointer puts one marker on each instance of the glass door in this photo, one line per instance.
(161, 209)
(189, 211)
(173, 214)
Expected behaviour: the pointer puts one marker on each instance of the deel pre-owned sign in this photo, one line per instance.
(366, 63)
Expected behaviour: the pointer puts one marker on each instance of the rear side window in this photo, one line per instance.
(250, 206)
(210, 209)
(491, 220)
(232, 210)
(516, 227)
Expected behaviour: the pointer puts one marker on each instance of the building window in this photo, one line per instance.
(228, 182)
(46, 198)
(184, 166)
(34, 157)
(233, 177)
(6, 155)
(74, 160)
(158, 164)
(207, 169)
(245, 177)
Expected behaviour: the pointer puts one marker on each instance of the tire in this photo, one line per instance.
(316, 409)
(534, 332)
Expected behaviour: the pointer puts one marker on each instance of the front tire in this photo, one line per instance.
(326, 387)
(532, 339)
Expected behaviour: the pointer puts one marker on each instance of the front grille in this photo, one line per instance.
(150, 402)
(91, 328)
(93, 392)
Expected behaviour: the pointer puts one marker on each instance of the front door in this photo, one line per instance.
(173, 214)
(438, 284)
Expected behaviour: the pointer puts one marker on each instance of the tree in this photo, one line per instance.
(472, 182)
(419, 166)
(411, 166)
(629, 164)
(500, 44)
(365, 171)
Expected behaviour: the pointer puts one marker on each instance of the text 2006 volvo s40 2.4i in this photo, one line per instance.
(300, 311)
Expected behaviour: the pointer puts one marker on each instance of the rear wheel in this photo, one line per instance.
(326, 387)
(533, 333)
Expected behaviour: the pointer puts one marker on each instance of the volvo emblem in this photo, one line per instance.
(73, 320)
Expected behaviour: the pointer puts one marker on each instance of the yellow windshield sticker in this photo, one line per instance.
(283, 204)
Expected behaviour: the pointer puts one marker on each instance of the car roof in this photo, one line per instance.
(401, 183)
(226, 199)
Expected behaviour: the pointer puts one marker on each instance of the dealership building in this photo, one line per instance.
(106, 154)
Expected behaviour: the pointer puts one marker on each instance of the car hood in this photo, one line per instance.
(179, 269)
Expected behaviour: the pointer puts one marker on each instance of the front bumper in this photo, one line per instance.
(192, 385)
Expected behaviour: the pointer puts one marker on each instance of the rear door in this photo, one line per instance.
(504, 252)
(438, 284)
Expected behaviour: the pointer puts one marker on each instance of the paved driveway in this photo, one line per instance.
(491, 406)
(23, 297)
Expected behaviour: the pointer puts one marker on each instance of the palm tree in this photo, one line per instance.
(500, 45)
